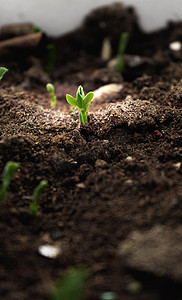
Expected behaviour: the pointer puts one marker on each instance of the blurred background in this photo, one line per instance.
(57, 17)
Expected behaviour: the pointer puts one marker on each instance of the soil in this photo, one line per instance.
(118, 173)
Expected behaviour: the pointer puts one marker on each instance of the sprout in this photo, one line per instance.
(50, 89)
(37, 192)
(8, 173)
(3, 70)
(81, 102)
(71, 286)
(122, 47)
(51, 57)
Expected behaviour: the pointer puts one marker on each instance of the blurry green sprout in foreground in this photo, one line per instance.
(81, 102)
(51, 91)
(122, 47)
(3, 70)
(36, 195)
(8, 173)
(72, 286)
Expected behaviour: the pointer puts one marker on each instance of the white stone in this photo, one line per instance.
(49, 251)
(175, 46)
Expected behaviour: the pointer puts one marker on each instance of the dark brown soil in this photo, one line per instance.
(120, 172)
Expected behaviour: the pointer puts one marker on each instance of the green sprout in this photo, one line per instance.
(8, 173)
(36, 28)
(71, 286)
(81, 102)
(50, 89)
(37, 192)
(122, 47)
(3, 70)
(51, 57)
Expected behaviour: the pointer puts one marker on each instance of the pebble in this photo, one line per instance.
(49, 251)
(175, 46)
(81, 185)
(129, 181)
(157, 251)
(129, 158)
(134, 287)
(177, 165)
(108, 296)
(100, 163)
(108, 89)
(56, 234)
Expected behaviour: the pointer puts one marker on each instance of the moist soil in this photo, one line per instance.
(118, 173)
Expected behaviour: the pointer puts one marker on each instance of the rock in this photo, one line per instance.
(107, 90)
(49, 251)
(56, 234)
(100, 163)
(157, 251)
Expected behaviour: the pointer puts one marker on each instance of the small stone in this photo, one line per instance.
(129, 181)
(108, 89)
(100, 163)
(81, 185)
(129, 158)
(177, 165)
(157, 251)
(134, 287)
(49, 251)
(108, 296)
(56, 234)
(175, 46)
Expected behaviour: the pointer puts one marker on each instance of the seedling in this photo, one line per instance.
(81, 102)
(8, 173)
(71, 286)
(50, 89)
(3, 70)
(51, 57)
(122, 47)
(36, 195)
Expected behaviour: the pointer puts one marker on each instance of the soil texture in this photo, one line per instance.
(112, 181)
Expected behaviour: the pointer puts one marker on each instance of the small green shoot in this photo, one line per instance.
(36, 29)
(36, 195)
(8, 173)
(3, 70)
(51, 57)
(51, 91)
(122, 47)
(81, 102)
(71, 286)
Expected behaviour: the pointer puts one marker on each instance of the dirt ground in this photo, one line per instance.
(116, 175)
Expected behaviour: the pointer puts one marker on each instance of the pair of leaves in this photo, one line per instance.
(81, 101)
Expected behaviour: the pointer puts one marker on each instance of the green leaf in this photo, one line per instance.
(80, 90)
(79, 98)
(72, 286)
(2, 72)
(71, 100)
(123, 43)
(88, 98)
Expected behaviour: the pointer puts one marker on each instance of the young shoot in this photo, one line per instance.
(36, 195)
(8, 173)
(3, 70)
(50, 89)
(122, 47)
(81, 102)
(51, 58)
(72, 286)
